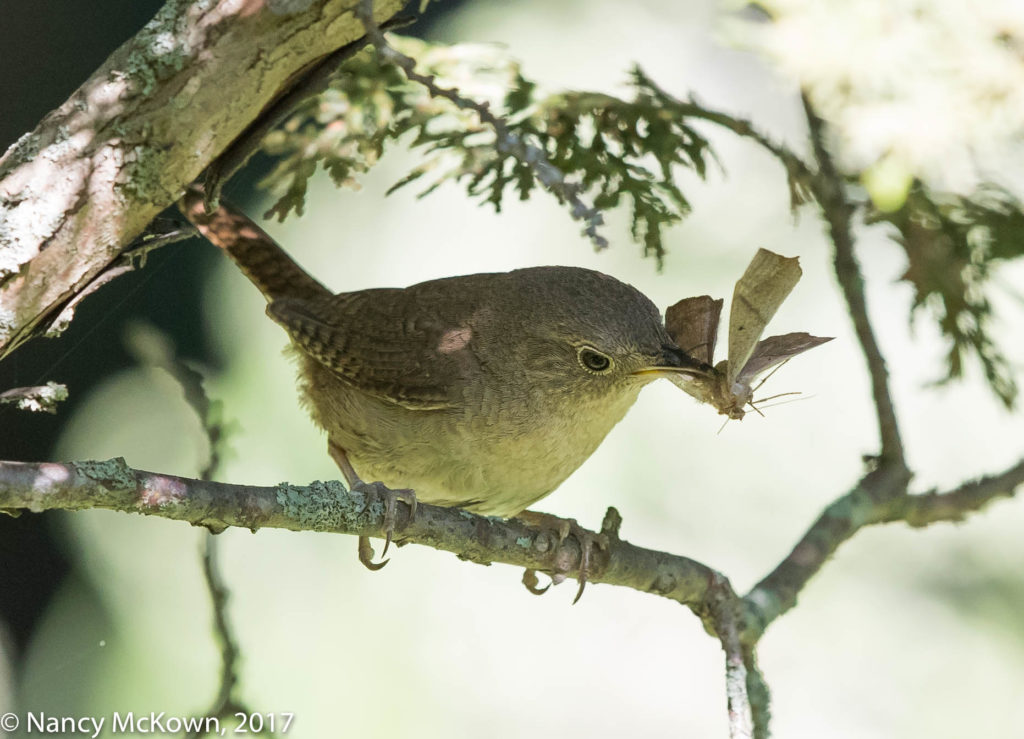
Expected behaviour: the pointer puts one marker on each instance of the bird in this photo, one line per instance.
(481, 391)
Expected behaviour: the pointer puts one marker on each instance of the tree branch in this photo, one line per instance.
(757, 693)
(829, 189)
(879, 498)
(328, 507)
(157, 234)
(798, 172)
(123, 147)
(724, 614)
(39, 398)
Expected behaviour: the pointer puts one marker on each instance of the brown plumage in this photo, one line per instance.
(484, 391)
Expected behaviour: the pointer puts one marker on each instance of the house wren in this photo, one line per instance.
(483, 391)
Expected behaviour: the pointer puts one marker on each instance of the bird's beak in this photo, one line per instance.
(674, 361)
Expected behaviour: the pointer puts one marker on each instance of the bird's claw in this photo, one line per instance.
(531, 583)
(560, 529)
(588, 540)
(373, 491)
(366, 555)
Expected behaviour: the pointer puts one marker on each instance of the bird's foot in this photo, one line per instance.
(560, 529)
(373, 492)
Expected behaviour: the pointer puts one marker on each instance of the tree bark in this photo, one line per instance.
(99, 168)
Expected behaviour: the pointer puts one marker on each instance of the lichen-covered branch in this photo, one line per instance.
(76, 190)
(328, 507)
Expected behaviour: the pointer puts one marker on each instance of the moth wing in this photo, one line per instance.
(767, 282)
(775, 350)
(693, 325)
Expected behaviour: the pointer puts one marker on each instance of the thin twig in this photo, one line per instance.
(879, 498)
(39, 398)
(953, 506)
(152, 347)
(830, 192)
(799, 173)
(160, 352)
(160, 232)
(225, 704)
(506, 142)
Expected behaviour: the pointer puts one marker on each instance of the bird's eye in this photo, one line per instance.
(593, 360)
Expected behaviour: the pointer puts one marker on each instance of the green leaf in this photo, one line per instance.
(618, 150)
(953, 245)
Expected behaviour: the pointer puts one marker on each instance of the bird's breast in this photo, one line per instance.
(495, 450)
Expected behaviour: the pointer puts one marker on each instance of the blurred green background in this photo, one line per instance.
(905, 634)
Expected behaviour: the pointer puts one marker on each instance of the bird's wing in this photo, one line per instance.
(379, 342)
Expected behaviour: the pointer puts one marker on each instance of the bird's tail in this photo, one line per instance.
(260, 258)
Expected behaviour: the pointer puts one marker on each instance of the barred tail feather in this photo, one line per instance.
(257, 255)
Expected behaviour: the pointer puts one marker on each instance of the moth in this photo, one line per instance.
(693, 325)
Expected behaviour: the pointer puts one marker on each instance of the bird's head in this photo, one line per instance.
(589, 336)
